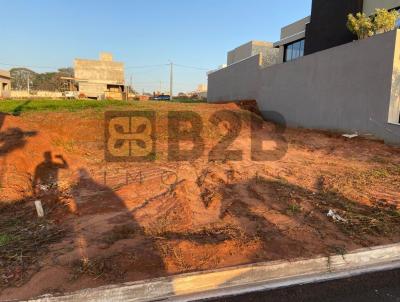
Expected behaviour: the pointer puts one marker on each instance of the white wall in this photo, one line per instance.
(36, 94)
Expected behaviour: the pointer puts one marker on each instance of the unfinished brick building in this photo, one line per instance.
(100, 79)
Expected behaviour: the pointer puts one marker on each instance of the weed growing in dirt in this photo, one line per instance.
(377, 220)
(338, 250)
(294, 209)
(105, 268)
(355, 181)
(179, 259)
(361, 220)
(4, 239)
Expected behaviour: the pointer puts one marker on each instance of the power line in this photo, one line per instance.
(29, 66)
(128, 67)
(193, 67)
(171, 80)
(146, 66)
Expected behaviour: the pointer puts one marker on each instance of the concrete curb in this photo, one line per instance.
(242, 279)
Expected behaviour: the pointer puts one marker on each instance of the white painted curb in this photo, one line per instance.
(242, 279)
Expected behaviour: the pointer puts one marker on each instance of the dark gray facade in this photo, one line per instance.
(328, 28)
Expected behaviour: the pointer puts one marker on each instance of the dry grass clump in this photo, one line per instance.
(24, 238)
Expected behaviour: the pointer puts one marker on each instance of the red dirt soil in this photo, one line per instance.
(188, 216)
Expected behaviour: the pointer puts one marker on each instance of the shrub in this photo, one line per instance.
(364, 26)
(361, 25)
(384, 20)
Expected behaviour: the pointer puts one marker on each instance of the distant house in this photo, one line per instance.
(252, 48)
(202, 91)
(100, 79)
(5, 84)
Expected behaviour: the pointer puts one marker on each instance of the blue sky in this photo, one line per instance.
(140, 32)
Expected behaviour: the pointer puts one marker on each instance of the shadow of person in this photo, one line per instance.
(18, 110)
(12, 139)
(101, 218)
(2, 118)
(45, 181)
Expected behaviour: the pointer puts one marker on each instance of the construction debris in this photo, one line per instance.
(335, 216)
(39, 208)
(350, 136)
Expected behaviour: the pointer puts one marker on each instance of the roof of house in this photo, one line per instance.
(5, 74)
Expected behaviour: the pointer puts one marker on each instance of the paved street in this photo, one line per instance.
(379, 287)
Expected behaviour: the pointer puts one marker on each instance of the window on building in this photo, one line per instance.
(294, 50)
(115, 88)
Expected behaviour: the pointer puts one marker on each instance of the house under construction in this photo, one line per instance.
(100, 79)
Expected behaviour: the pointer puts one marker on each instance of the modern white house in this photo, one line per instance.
(324, 78)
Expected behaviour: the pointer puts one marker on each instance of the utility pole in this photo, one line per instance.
(28, 86)
(171, 79)
(131, 83)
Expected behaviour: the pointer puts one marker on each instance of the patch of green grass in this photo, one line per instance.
(16, 107)
(4, 239)
(396, 213)
(293, 209)
(177, 100)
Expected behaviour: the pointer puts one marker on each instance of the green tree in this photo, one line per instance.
(361, 25)
(20, 77)
(49, 81)
(384, 20)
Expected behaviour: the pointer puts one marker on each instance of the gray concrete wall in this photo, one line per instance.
(346, 88)
(239, 81)
(252, 48)
(370, 5)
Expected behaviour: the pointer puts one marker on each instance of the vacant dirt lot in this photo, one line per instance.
(107, 223)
